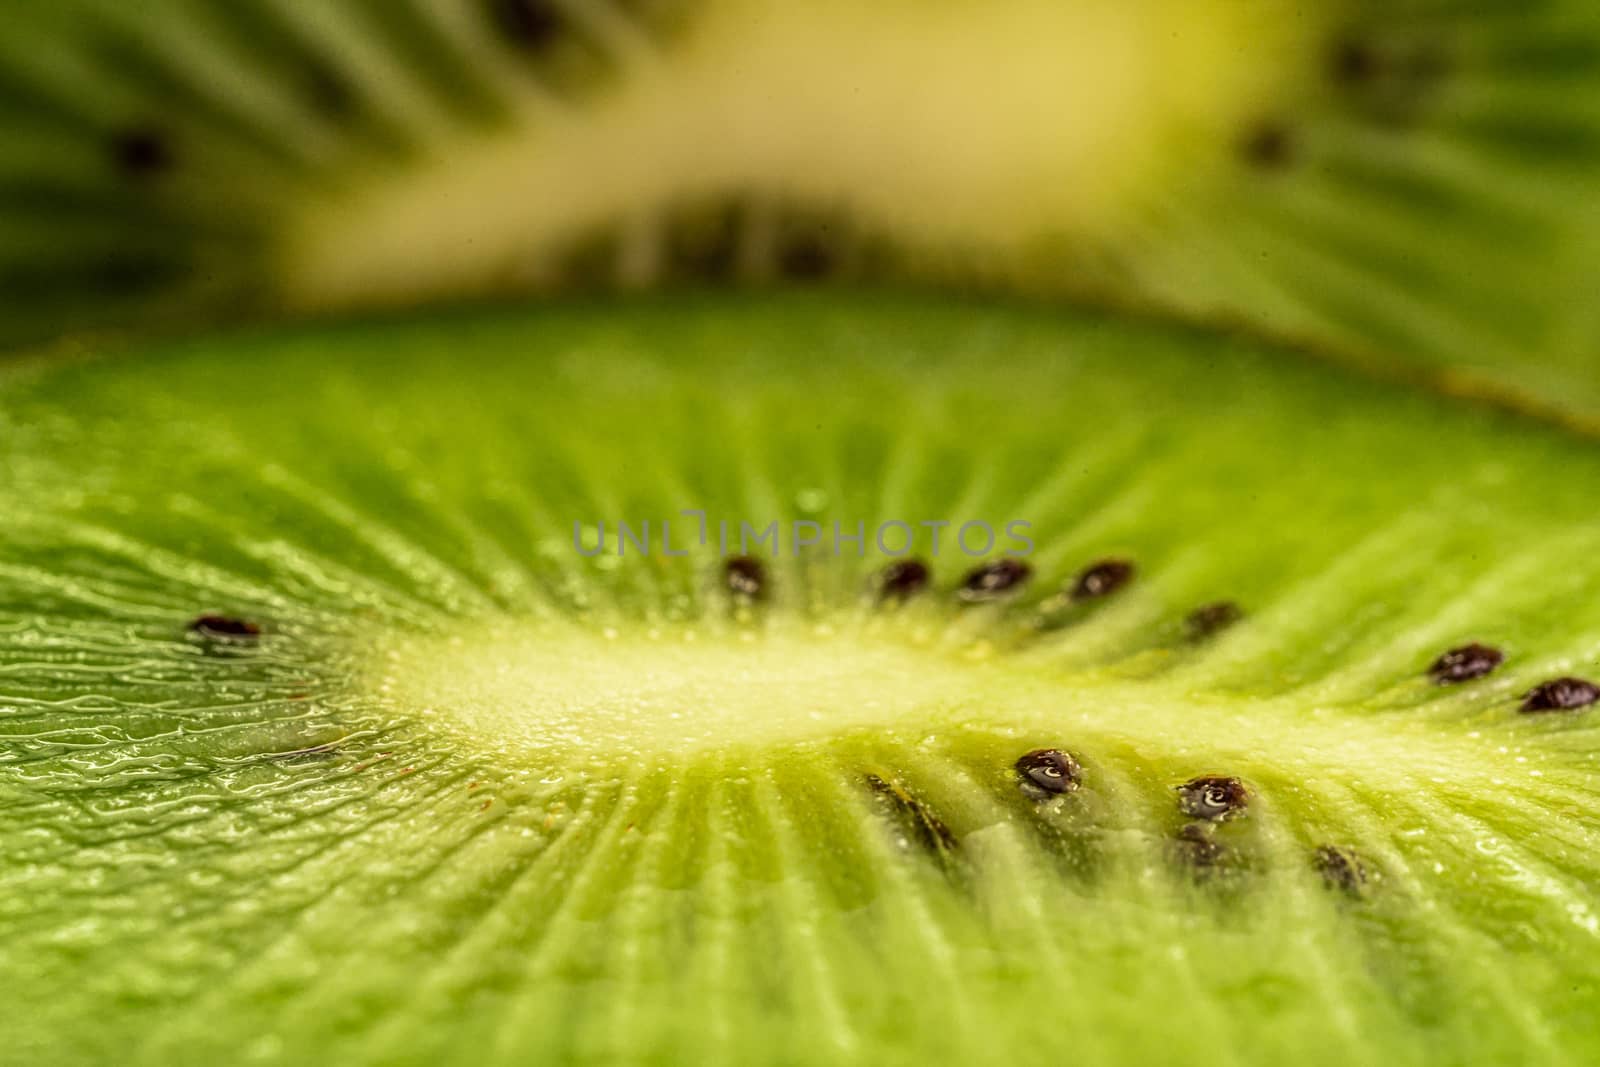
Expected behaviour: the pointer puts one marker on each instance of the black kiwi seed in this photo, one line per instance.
(1102, 579)
(1340, 868)
(1354, 61)
(142, 152)
(995, 579)
(1268, 145)
(225, 627)
(1212, 618)
(903, 579)
(529, 24)
(1465, 663)
(1048, 772)
(746, 577)
(1562, 694)
(1214, 797)
(1196, 846)
(930, 829)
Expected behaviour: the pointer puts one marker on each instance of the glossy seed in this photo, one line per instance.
(142, 152)
(225, 627)
(995, 579)
(1211, 619)
(1465, 663)
(1102, 579)
(1214, 797)
(903, 579)
(746, 577)
(1340, 868)
(1048, 772)
(1562, 694)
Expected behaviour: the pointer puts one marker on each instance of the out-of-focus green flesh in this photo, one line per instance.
(1409, 183)
(917, 130)
(476, 797)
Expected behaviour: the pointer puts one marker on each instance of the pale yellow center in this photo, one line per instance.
(560, 696)
(629, 693)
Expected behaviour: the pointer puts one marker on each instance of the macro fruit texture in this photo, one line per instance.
(1402, 183)
(334, 731)
(1141, 609)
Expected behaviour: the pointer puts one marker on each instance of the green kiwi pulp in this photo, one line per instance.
(1406, 179)
(334, 728)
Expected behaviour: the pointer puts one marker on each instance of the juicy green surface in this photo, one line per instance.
(476, 798)
(1409, 182)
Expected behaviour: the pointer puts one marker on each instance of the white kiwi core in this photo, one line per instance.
(585, 696)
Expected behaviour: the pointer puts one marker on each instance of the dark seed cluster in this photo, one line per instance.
(1213, 797)
(225, 627)
(996, 579)
(1195, 846)
(746, 577)
(930, 830)
(742, 235)
(1102, 579)
(1268, 145)
(1210, 619)
(1341, 868)
(1465, 663)
(903, 579)
(528, 24)
(1390, 79)
(1199, 846)
(1354, 61)
(808, 254)
(1562, 694)
(142, 152)
(1048, 772)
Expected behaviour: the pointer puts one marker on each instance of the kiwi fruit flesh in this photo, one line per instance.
(341, 723)
(1407, 182)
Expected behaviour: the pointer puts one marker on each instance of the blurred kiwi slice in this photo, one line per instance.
(1243, 711)
(1407, 180)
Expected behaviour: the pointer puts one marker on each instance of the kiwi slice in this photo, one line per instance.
(1242, 711)
(1409, 179)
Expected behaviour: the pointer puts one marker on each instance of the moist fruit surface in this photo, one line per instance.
(326, 736)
